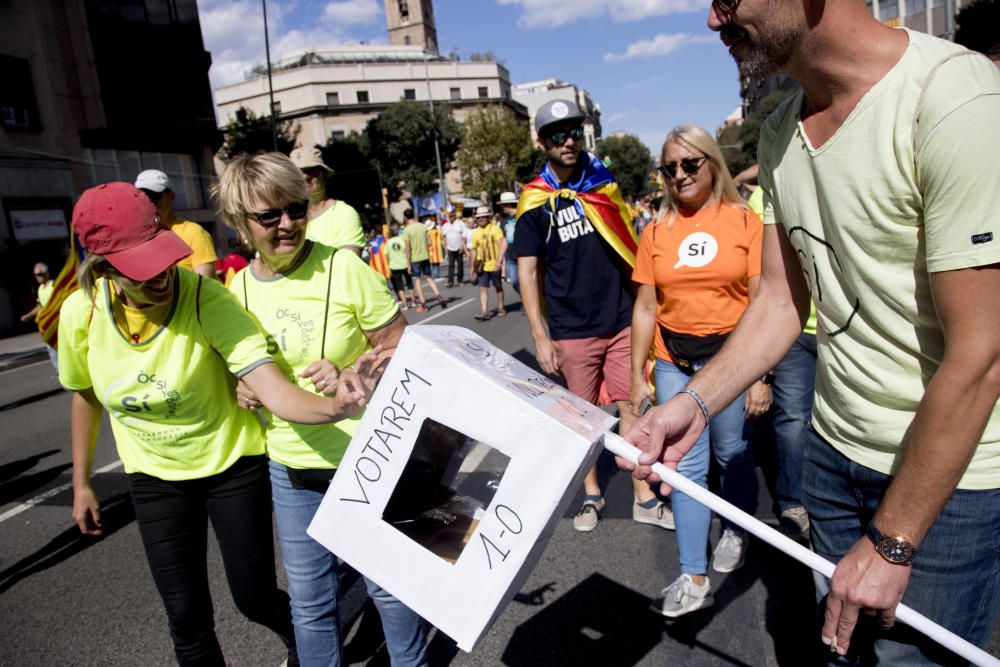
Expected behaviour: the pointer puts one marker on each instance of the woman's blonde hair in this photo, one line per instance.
(699, 140)
(86, 274)
(265, 177)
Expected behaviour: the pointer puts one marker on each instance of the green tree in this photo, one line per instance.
(750, 129)
(731, 143)
(976, 25)
(496, 149)
(249, 133)
(400, 140)
(355, 177)
(630, 162)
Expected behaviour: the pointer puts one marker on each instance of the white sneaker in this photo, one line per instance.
(683, 597)
(588, 516)
(730, 552)
(658, 515)
(797, 517)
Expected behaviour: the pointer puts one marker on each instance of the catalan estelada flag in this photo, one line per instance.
(596, 196)
(377, 258)
(434, 245)
(65, 284)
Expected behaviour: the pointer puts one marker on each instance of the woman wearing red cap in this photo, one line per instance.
(161, 350)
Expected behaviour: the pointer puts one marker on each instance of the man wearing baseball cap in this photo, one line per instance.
(157, 186)
(575, 239)
(331, 222)
(508, 209)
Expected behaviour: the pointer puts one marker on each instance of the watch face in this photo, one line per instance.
(895, 550)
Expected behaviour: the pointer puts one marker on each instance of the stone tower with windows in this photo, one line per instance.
(411, 23)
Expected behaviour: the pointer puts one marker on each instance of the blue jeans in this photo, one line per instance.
(314, 582)
(511, 266)
(956, 571)
(728, 439)
(793, 389)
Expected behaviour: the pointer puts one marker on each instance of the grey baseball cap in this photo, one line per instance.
(556, 111)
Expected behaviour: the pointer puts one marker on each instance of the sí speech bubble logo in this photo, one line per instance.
(698, 249)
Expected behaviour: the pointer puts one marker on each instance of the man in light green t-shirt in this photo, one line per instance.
(331, 222)
(880, 179)
(397, 253)
(415, 233)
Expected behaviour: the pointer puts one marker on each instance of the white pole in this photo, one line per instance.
(620, 447)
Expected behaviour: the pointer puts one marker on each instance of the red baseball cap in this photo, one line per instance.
(118, 222)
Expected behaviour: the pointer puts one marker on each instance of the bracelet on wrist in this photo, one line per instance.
(697, 399)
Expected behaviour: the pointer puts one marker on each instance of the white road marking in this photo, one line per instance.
(55, 491)
(445, 311)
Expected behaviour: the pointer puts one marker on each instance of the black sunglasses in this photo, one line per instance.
(559, 136)
(690, 165)
(726, 6)
(272, 216)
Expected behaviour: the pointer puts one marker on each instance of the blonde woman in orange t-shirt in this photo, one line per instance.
(697, 268)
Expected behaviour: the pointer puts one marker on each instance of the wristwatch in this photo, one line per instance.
(768, 379)
(896, 550)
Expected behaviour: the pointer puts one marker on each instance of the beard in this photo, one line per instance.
(767, 53)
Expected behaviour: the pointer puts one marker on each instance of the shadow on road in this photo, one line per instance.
(116, 513)
(15, 468)
(27, 400)
(27, 484)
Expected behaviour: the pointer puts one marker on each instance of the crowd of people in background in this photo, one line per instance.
(236, 383)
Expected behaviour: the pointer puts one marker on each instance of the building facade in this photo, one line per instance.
(534, 94)
(411, 23)
(335, 92)
(94, 91)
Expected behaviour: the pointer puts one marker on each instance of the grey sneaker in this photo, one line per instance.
(659, 515)
(683, 597)
(797, 517)
(586, 519)
(730, 552)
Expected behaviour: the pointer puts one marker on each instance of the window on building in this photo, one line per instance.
(409, 94)
(332, 99)
(362, 97)
(888, 10)
(404, 10)
(107, 165)
(18, 106)
(406, 40)
(276, 107)
(484, 92)
(915, 6)
(456, 93)
(338, 134)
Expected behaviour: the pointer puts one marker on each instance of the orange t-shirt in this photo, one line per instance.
(701, 269)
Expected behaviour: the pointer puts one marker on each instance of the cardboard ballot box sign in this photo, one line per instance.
(456, 477)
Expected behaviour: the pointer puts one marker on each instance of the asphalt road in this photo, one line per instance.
(70, 600)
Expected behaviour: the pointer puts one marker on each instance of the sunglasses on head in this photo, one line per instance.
(272, 216)
(726, 6)
(690, 165)
(560, 136)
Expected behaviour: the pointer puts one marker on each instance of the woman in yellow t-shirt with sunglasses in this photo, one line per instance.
(322, 309)
(160, 349)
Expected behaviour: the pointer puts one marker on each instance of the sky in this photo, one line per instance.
(650, 64)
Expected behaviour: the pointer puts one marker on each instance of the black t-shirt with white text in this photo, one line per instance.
(586, 282)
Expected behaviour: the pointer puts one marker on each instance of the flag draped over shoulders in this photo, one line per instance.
(65, 284)
(596, 195)
(377, 258)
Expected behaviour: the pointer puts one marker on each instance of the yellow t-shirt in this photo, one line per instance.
(172, 397)
(200, 241)
(291, 309)
(338, 226)
(486, 243)
(903, 189)
(45, 292)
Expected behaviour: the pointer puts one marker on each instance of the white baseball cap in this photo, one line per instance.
(153, 180)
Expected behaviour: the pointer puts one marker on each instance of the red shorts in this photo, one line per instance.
(586, 362)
